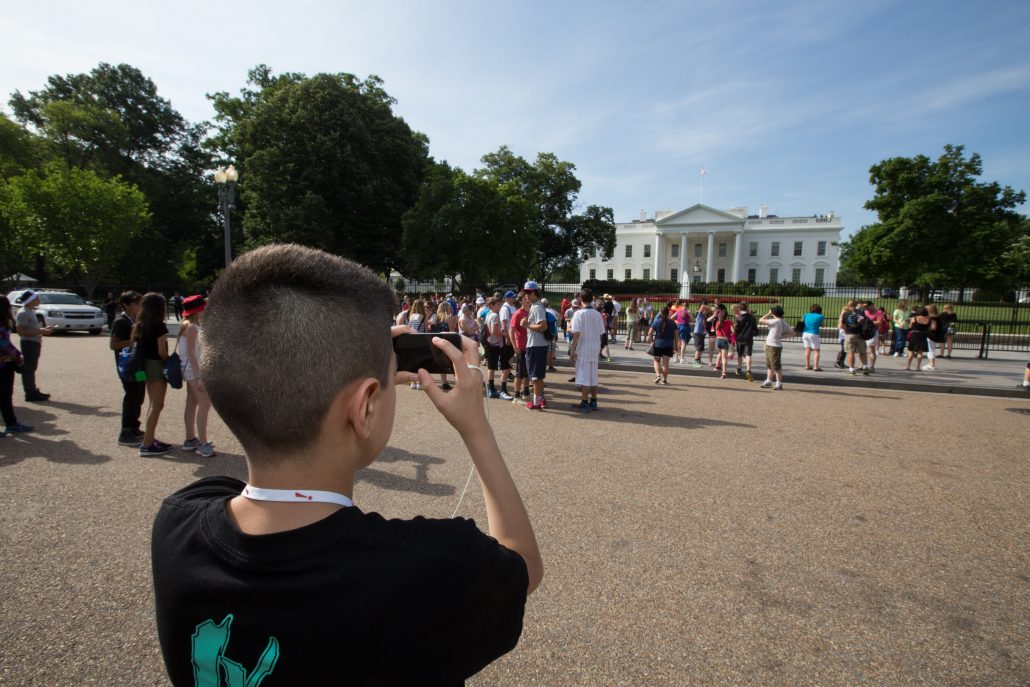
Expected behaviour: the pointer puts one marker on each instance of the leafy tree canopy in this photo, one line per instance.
(938, 226)
(82, 223)
(458, 224)
(558, 237)
(323, 162)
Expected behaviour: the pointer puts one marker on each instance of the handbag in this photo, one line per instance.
(171, 368)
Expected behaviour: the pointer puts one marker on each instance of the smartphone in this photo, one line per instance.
(415, 351)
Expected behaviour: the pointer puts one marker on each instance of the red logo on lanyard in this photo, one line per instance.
(301, 496)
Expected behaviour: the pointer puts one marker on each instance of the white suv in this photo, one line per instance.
(64, 311)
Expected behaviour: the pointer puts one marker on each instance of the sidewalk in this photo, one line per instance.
(964, 373)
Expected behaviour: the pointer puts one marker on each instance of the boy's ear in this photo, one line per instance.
(363, 405)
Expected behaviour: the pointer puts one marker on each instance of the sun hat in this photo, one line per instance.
(531, 286)
(26, 297)
(192, 305)
(480, 301)
(607, 296)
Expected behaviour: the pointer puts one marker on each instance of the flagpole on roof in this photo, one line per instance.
(702, 185)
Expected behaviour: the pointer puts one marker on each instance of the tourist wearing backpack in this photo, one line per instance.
(875, 322)
(745, 327)
(854, 341)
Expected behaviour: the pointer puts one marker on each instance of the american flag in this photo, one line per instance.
(702, 171)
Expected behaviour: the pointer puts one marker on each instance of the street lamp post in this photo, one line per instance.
(226, 180)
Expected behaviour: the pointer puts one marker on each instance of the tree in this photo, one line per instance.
(559, 238)
(938, 226)
(323, 162)
(456, 226)
(81, 223)
(113, 121)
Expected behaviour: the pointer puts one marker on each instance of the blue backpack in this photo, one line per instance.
(551, 333)
(130, 364)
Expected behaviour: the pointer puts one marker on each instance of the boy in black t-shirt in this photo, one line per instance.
(135, 392)
(283, 580)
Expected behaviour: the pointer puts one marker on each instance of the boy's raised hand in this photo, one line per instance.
(403, 377)
(463, 405)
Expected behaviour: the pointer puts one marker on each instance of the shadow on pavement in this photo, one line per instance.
(420, 484)
(78, 409)
(849, 394)
(228, 464)
(636, 417)
(19, 447)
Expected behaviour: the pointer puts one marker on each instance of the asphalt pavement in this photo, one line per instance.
(705, 533)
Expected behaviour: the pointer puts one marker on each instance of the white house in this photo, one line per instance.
(722, 246)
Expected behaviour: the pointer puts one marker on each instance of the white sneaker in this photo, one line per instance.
(767, 384)
(897, 355)
(927, 368)
(778, 387)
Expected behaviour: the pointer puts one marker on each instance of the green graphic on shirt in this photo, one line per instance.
(210, 663)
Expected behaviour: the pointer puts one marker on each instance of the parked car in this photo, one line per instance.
(888, 293)
(64, 311)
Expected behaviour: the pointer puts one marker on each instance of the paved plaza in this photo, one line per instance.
(704, 533)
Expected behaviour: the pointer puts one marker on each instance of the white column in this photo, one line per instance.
(738, 248)
(657, 256)
(709, 263)
(684, 277)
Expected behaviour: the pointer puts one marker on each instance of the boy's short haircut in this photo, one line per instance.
(287, 328)
(129, 297)
(586, 296)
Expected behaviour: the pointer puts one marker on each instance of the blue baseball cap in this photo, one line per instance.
(531, 286)
(509, 294)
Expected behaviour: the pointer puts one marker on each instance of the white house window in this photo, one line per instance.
(820, 274)
(776, 249)
(697, 250)
(647, 273)
(629, 274)
(647, 250)
(795, 275)
(820, 248)
(675, 250)
(722, 250)
(674, 274)
(593, 274)
(774, 275)
(721, 275)
(629, 251)
(752, 249)
(752, 275)
(798, 245)
(611, 274)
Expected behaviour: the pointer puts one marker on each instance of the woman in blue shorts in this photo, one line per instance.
(664, 328)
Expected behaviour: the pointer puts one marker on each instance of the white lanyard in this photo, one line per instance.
(295, 496)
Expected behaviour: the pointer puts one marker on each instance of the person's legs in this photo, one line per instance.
(30, 362)
(931, 353)
(815, 359)
(7, 394)
(156, 393)
(132, 406)
(189, 415)
(871, 348)
(808, 358)
(665, 368)
(657, 368)
(203, 410)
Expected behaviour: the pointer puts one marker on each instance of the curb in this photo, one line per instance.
(871, 382)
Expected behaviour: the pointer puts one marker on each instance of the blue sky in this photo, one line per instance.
(786, 104)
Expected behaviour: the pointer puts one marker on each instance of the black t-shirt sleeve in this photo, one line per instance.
(488, 620)
(121, 329)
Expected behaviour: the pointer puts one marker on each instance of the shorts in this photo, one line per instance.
(188, 375)
(773, 357)
(699, 342)
(684, 334)
(663, 351)
(604, 339)
(586, 372)
(536, 361)
(745, 350)
(521, 371)
(854, 343)
(553, 346)
(811, 341)
(722, 344)
(498, 357)
(871, 343)
(154, 370)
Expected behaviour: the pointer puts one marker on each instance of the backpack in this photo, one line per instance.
(551, 333)
(130, 364)
(885, 324)
(867, 328)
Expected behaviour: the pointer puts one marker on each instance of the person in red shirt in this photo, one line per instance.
(519, 334)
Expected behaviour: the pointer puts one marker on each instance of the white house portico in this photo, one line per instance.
(713, 245)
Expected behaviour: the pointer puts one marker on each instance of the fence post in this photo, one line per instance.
(985, 339)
